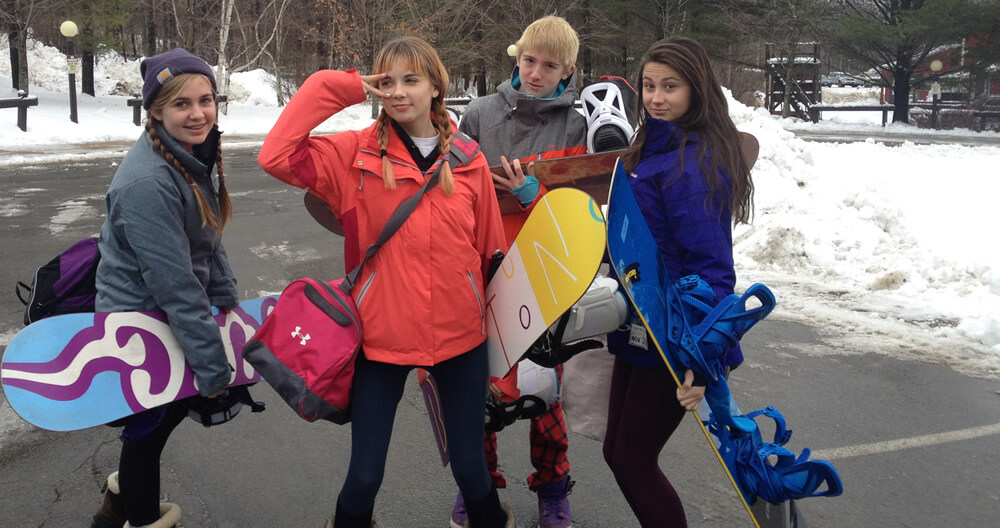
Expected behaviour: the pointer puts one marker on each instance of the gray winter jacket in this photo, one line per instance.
(517, 125)
(155, 254)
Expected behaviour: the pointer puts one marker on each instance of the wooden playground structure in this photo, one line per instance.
(792, 75)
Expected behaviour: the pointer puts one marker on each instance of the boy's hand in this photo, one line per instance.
(370, 84)
(515, 174)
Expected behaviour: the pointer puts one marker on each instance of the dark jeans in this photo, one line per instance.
(376, 392)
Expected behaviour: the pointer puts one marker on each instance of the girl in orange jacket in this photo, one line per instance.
(421, 297)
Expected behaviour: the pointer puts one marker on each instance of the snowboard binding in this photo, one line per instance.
(790, 477)
(500, 414)
(549, 351)
(701, 335)
(601, 310)
(224, 407)
(608, 106)
(705, 334)
(527, 392)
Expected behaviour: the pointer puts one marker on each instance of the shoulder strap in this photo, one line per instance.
(399, 216)
(464, 148)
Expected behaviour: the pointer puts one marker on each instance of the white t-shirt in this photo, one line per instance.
(426, 145)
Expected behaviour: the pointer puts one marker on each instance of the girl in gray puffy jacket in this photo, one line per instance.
(161, 250)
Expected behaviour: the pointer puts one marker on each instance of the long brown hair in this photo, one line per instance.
(707, 116)
(420, 57)
(163, 98)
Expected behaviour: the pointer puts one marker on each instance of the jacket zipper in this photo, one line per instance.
(479, 300)
(391, 160)
(364, 288)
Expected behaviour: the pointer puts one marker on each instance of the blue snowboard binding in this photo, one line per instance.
(703, 333)
(790, 477)
(700, 335)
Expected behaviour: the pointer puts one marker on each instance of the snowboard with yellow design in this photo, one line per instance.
(548, 268)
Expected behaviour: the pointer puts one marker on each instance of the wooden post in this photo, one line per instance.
(72, 99)
(935, 116)
(136, 103)
(22, 112)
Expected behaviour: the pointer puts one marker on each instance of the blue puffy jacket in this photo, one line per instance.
(693, 235)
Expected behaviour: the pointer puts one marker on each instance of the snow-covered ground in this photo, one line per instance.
(884, 249)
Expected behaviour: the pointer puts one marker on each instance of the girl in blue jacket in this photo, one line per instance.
(161, 250)
(687, 173)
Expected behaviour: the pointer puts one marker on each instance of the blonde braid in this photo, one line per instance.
(388, 178)
(445, 133)
(225, 204)
(207, 216)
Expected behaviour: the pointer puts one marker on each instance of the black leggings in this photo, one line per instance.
(375, 397)
(139, 467)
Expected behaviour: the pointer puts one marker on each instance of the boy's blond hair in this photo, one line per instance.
(553, 36)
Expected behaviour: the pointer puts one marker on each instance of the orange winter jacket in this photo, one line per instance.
(421, 297)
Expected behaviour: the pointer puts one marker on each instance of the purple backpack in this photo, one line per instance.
(67, 284)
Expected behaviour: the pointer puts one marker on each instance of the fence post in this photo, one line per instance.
(935, 117)
(136, 103)
(814, 114)
(22, 111)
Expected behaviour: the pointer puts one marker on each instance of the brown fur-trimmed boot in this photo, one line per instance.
(112, 513)
(511, 521)
(170, 514)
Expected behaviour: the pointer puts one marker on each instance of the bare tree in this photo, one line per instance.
(787, 26)
(18, 16)
(183, 15)
(222, 73)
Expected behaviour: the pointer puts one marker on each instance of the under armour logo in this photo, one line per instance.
(298, 333)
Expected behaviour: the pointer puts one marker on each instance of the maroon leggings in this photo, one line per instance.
(643, 413)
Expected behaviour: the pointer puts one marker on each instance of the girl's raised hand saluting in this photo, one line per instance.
(370, 84)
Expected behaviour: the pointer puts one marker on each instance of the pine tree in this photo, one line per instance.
(895, 36)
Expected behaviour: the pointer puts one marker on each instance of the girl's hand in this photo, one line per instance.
(370, 84)
(689, 395)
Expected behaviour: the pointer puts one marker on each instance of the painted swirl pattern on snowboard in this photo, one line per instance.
(75, 371)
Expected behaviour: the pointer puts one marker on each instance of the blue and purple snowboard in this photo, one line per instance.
(74, 371)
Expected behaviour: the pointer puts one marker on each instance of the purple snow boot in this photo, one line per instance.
(553, 504)
(459, 517)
